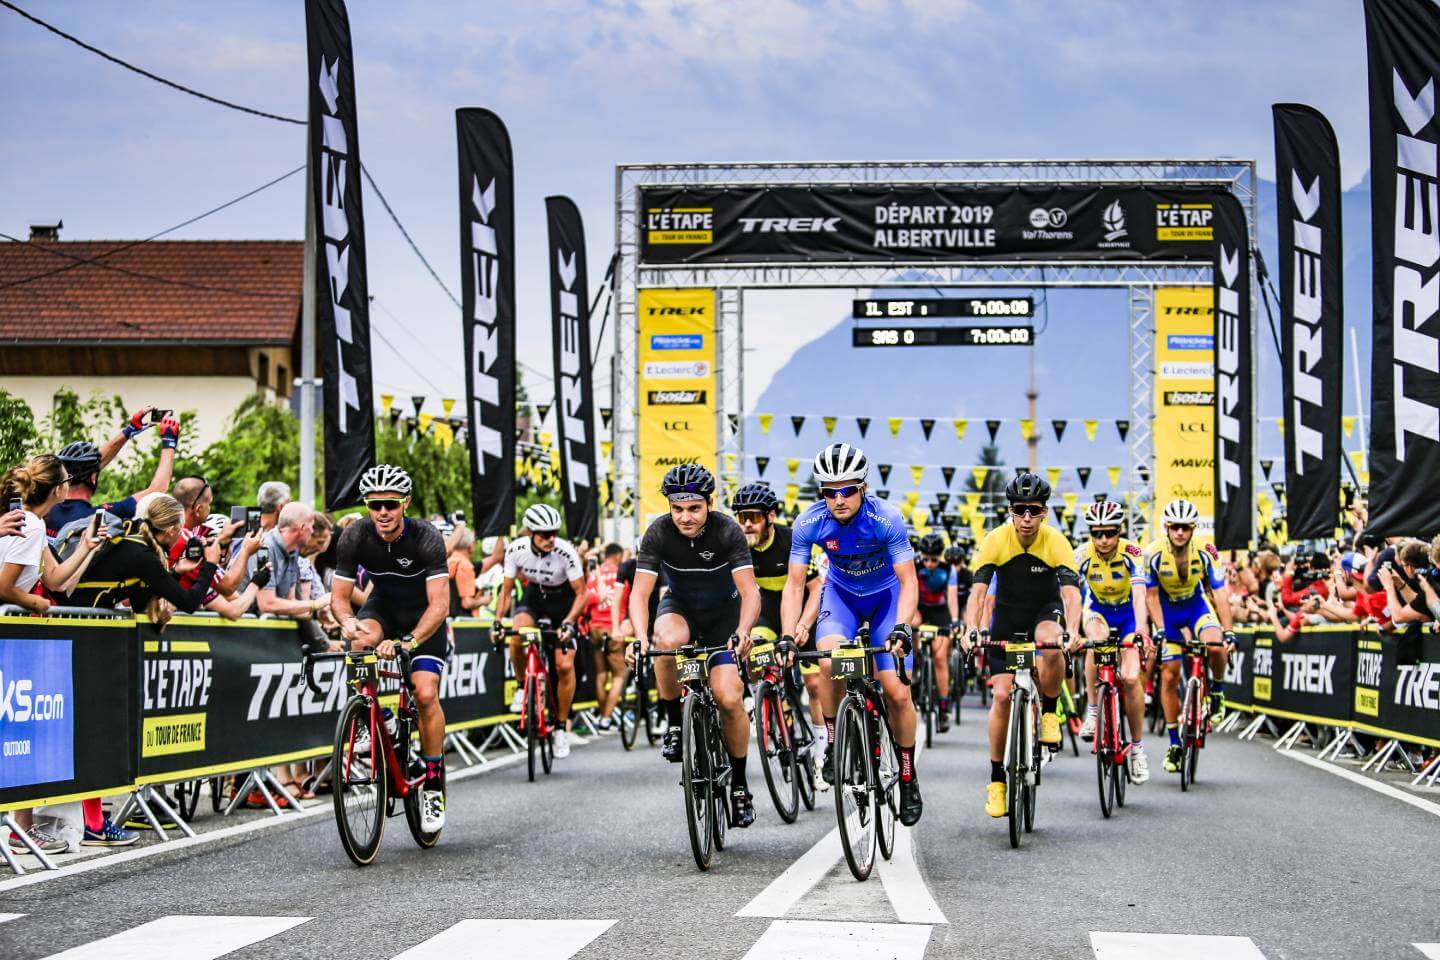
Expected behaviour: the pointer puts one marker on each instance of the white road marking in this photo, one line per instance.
(531, 939)
(1172, 946)
(316, 808)
(791, 886)
(10, 916)
(182, 938)
(1404, 796)
(1431, 950)
(908, 893)
(826, 940)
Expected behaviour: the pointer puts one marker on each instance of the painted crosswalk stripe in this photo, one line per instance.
(1431, 950)
(791, 886)
(1172, 946)
(908, 893)
(530, 939)
(182, 938)
(827, 940)
(10, 916)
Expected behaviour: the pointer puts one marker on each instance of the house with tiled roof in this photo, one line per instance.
(184, 324)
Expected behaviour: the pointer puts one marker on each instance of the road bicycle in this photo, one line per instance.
(537, 704)
(782, 733)
(705, 761)
(867, 765)
(366, 792)
(922, 681)
(1023, 750)
(1112, 743)
(639, 707)
(1194, 706)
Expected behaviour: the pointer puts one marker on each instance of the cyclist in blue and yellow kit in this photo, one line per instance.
(872, 581)
(1180, 574)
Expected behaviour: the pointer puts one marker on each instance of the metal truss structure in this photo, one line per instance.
(730, 281)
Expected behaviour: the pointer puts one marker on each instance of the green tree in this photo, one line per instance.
(262, 442)
(18, 436)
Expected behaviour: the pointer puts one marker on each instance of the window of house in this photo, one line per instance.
(262, 375)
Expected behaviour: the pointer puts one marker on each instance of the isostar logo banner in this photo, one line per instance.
(342, 301)
(768, 224)
(1404, 58)
(671, 377)
(574, 389)
(37, 707)
(1307, 164)
(1184, 450)
(1189, 398)
(487, 297)
(1234, 389)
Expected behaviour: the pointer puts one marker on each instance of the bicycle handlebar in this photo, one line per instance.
(900, 671)
(402, 656)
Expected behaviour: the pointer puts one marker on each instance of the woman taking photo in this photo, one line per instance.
(26, 559)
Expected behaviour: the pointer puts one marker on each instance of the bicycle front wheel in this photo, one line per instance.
(357, 776)
(777, 752)
(887, 785)
(1104, 759)
(629, 712)
(1032, 789)
(532, 727)
(854, 791)
(695, 777)
(1015, 755)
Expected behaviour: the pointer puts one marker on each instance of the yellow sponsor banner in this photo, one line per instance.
(177, 733)
(680, 225)
(1367, 701)
(676, 388)
(1184, 425)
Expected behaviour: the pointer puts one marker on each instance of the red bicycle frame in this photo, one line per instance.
(536, 681)
(1108, 680)
(380, 735)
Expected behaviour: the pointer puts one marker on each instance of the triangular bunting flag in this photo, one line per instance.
(1059, 427)
(1357, 457)
(1144, 472)
(941, 499)
(1347, 422)
(948, 521)
(605, 447)
(394, 416)
(912, 498)
(1280, 422)
(546, 439)
(978, 474)
(949, 474)
(1084, 474)
(1027, 427)
(1114, 473)
(926, 425)
(1090, 427)
(895, 426)
(425, 420)
(760, 464)
(447, 405)
(883, 494)
(1070, 498)
(765, 420)
(916, 472)
(960, 426)
(863, 423)
(829, 425)
(792, 465)
(1279, 487)
(972, 500)
(544, 410)
(994, 427)
(734, 419)
(605, 414)
(1266, 466)
(792, 491)
(798, 422)
(1053, 473)
(386, 399)
(1124, 427)
(884, 470)
(417, 403)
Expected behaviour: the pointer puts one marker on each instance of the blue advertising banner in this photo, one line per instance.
(37, 723)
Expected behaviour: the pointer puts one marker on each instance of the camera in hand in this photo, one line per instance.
(252, 520)
(157, 415)
(457, 517)
(195, 549)
(15, 504)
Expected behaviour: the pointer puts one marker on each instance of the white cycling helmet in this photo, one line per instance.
(541, 518)
(1105, 513)
(216, 522)
(840, 462)
(1180, 511)
(384, 478)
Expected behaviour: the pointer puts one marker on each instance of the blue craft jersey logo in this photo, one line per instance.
(37, 721)
(677, 341)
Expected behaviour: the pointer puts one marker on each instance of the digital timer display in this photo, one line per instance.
(1022, 307)
(986, 336)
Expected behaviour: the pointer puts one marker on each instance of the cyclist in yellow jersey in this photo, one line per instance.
(1037, 584)
(1112, 571)
(1180, 574)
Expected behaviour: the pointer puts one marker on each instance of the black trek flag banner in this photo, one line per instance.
(342, 300)
(1234, 386)
(1307, 191)
(574, 388)
(1404, 54)
(487, 297)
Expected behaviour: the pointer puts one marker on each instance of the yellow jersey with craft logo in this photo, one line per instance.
(1181, 581)
(1109, 582)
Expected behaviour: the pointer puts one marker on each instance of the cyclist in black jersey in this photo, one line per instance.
(713, 599)
(404, 560)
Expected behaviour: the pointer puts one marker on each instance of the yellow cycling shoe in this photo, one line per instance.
(995, 799)
(1050, 729)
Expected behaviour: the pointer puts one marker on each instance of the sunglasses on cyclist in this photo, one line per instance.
(545, 534)
(830, 493)
(376, 505)
(1179, 526)
(750, 516)
(929, 558)
(1104, 533)
(1029, 509)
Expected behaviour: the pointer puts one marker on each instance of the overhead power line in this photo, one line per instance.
(146, 73)
(403, 232)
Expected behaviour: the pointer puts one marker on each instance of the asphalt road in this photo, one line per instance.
(1289, 860)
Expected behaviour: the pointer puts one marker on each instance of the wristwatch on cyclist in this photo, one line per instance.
(408, 641)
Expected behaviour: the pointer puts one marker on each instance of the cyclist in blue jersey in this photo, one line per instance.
(871, 581)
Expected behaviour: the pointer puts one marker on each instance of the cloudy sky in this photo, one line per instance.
(584, 86)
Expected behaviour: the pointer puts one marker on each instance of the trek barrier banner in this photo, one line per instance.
(1397, 690)
(676, 389)
(342, 300)
(842, 223)
(67, 697)
(487, 295)
(1234, 379)
(1184, 426)
(1404, 53)
(1240, 672)
(574, 385)
(1307, 165)
(1312, 677)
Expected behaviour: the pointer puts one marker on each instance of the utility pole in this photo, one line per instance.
(1033, 443)
(307, 347)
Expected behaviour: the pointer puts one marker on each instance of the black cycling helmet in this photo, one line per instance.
(688, 481)
(755, 496)
(1027, 488)
(954, 553)
(932, 544)
(80, 459)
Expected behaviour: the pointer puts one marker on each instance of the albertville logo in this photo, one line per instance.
(1417, 247)
(574, 438)
(1227, 371)
(485, 266)
(335, 222)
(789, 224)
(1307, 346)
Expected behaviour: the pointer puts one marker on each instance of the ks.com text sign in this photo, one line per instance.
(37, 725)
